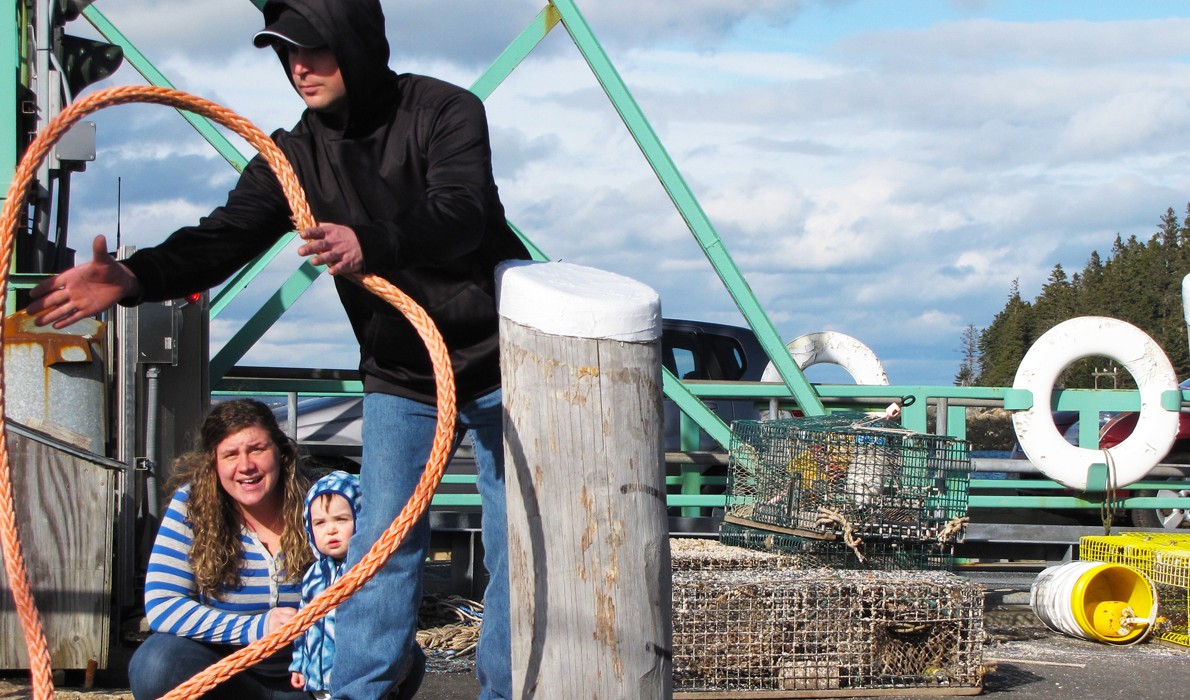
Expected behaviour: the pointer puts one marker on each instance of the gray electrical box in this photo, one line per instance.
(78, 143)
(157, 333)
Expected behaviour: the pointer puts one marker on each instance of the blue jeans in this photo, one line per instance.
(375, 628)
(165, 661)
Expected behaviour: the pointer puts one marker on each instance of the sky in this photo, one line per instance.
(877, 168)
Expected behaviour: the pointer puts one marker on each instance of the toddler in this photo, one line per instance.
(331, 508)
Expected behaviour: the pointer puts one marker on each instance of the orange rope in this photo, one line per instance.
(14, 562)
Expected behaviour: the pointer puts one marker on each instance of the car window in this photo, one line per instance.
(680, 355)
(730, 356)
(684, 364)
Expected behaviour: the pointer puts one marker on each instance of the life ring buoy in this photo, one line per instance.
(831, 347)
(1072, 340)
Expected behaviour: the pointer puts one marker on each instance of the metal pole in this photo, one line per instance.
(292, 423)
(152, 405)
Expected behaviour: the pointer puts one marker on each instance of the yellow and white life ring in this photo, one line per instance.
(830, 347)
(1072, 340)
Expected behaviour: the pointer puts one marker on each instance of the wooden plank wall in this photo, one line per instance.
(66, 513)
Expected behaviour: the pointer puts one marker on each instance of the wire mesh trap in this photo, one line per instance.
(847, 474)
(744, 622)
(883, 555)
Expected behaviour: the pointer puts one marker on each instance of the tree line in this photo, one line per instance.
(1139, 282)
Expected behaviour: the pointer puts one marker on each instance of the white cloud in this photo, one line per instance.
(890, 186)
(1150, 115)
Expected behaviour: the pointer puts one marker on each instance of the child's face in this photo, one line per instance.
(332, 522)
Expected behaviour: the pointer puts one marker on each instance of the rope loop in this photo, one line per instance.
(830, 516)
(351, 581)
(1107, 509)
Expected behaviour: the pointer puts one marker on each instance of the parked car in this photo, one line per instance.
(1117, 429)
(713, 351)
(329, 428)
(331, 425)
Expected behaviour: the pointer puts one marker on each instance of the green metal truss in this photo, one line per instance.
(793, 391)
(563, 13)
(797, 391)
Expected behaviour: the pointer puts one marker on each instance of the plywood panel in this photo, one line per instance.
(66, 511)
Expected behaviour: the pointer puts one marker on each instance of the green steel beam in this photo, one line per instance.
(12, 33)
(696, 409)
(504, 65)
(244, 277)
(155, 77)
(516, 52)
(688, 206)
(281, 387)
(255, 328)
(1042, 484)
(534, 252)
(27, 280)
(1091, 400)
(720, 500)
(956, 421)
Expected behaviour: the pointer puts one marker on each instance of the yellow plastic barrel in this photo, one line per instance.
(1095, 600)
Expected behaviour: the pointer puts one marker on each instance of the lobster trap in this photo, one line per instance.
(1165, 559)
(848, 475)
(805, 553)
(745, 623)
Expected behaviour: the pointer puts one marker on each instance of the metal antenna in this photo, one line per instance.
(119, 192)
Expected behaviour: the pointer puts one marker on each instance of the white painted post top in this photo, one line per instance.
(576, 301)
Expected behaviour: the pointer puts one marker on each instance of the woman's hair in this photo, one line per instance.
(216, 551)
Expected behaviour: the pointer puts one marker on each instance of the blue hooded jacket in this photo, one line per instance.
(314, 650)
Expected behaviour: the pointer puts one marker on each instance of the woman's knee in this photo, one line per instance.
(163, 662)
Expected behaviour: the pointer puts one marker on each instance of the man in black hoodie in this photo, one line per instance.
(402, 165)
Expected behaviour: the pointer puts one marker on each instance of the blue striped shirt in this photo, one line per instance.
(172, 602)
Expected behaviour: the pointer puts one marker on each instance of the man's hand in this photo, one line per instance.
(335, 246)
(84, 290)
(297, 680)
(278, 617)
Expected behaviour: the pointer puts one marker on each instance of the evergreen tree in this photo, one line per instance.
(1139, 282)
(1004, 342)
(970, 350)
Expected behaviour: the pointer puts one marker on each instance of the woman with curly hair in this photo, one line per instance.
(226, 566)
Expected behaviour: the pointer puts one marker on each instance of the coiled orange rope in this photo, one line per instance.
(14, 561)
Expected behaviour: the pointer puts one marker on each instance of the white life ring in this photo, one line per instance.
(830, 347)
(1072, 340)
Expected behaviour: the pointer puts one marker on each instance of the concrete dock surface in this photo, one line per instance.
(1026, 661)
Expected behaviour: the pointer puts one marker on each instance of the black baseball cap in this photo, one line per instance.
(290, 27)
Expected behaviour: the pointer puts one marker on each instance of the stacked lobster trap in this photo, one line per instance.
(829, 577)
(850, 477)
(748, 623)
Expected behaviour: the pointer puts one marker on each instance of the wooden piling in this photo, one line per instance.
(587, 526)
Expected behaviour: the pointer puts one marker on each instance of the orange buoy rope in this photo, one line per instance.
(14, 561)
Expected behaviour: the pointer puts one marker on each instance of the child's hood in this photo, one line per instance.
(337, 482)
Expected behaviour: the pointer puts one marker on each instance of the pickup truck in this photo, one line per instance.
(328, 428)
(329, 432)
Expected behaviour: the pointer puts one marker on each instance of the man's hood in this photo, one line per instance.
(354, 31)
(337, 482)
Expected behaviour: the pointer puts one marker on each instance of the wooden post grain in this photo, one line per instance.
(587, 526)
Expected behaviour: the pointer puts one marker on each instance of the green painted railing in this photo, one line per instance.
(794, 391)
